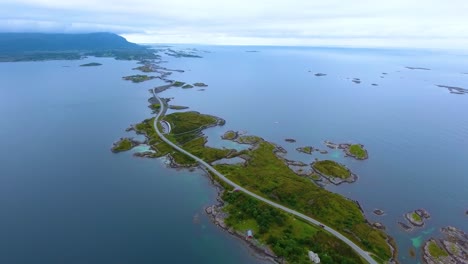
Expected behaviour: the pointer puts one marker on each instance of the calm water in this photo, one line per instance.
(416, 133)
(65, 198)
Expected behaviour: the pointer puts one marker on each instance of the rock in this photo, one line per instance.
(208, 210)
(323, 152)
(378, 225)
(405, 226)
(320, 74)
(374, 84)
(290, 140)
(379, 212)
(422, 213)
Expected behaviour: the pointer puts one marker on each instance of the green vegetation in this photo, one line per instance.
(178, 84)
(177, 107)
(155, 107)
(332, 168)
(307, 150)
(436, 251)
(91, 64)
(189, 121)
(315, 176)
(40, 47)
(358, 151)
(138, 78)
(123, 145)
(145, 68)
(267, 175)
(187, 86)
(230, 135)
(200, 84)
(288, 237)
(186, 131)
(416, 217)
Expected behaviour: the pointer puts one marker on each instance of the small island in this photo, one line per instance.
(138, 78)
(454, 89)
(123, 144)
(91, 64)
(187, 86)
(418, 68)
(306, 150)
(177, 107)
(145, 68)
(335, 172)
(378, 212)
(450, 249)
(200, 84)
(356, 151)
(230, 135)
(178, 84)
(416, 217)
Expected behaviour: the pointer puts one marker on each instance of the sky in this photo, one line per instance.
(358, 23)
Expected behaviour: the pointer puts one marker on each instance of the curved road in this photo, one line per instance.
(364, 254)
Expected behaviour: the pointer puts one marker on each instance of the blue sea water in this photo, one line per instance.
(416, 133)
(66, 198)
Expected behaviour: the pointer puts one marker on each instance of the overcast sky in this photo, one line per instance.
(367, 23)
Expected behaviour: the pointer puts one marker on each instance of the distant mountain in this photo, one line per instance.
(46, 46)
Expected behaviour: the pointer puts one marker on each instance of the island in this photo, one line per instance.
(454, 89)
(378, 212)
(230, 135)
(306, 150)
(177, 107)
(418, 68)
(335, 172)
(138, 78)
(123, 144)
(452, 248)
(187, 86)
(416, 217)
(200, 84)
(266, 173)
(91, 64)
(356, 151)
(178, 84)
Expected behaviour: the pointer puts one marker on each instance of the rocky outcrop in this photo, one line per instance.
(378, 212)
(452, 249)
(290, 140)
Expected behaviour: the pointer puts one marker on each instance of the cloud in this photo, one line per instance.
(415, 23)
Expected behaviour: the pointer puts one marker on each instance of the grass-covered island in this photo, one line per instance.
(357, 151)
(267, 174)
(123, 144)
(91, 64)
(333, 171)
(450, 249)
(306, 150)
(138, 78)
